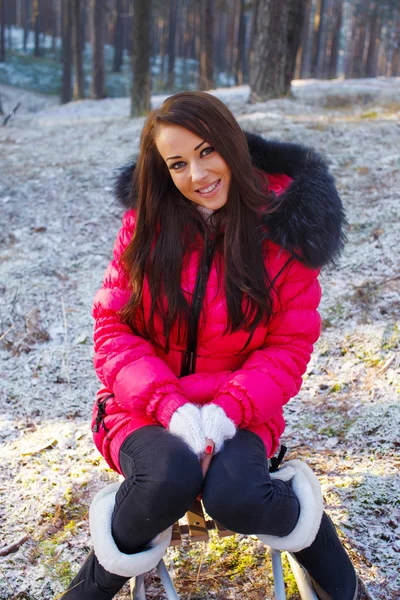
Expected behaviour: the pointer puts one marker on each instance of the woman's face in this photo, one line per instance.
(197, 170)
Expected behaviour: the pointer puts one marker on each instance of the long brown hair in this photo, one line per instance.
(168, 224)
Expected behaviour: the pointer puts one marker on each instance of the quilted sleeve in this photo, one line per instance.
(126, 363)
(273, 374)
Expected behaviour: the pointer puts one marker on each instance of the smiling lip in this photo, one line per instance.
(212, 192)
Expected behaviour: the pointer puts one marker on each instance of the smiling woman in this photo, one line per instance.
(204, 326)
(197, 169)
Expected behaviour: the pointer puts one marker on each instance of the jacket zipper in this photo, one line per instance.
(188, 366)
(101, 413)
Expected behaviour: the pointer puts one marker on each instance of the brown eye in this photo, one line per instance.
(176, 166)
(207, 151)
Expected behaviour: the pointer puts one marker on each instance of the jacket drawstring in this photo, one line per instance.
(101, 413)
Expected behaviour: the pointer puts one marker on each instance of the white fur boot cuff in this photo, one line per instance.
(307, 488)
(106, 550)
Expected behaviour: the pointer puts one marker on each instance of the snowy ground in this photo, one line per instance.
(58, 223)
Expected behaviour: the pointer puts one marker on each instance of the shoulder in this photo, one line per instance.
(129, 219)
(125, 233)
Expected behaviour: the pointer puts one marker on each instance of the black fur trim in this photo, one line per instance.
(123, 186)
(310, 221)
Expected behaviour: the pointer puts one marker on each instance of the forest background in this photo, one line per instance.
(324, 73)
(98, 48)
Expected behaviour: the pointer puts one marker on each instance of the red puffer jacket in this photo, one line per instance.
(141, 384)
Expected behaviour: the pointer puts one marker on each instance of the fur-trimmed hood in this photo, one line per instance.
(310, 220)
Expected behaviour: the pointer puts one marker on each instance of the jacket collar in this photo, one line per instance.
(310, 220)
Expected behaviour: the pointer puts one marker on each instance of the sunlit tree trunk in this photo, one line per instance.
(141, 76)
(207, 46)
(267, 74)
(370, 69)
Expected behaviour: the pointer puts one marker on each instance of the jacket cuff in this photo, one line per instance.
(166, 407)
(232, 407)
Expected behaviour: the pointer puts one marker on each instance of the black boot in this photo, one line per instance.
(328, 565)
(93, 582)
(314, 542)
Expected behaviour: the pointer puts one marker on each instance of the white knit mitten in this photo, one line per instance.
(216, 425)
(186, 424)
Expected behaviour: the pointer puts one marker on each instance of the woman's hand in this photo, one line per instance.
(216, 425)
(186, 424)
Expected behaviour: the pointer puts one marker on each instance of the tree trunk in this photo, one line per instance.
(232, 50)
(26, 23)
(219, 46)
(66, 87)
(79, 84)
(394, 64)
(186, 48)
(267, 75)
(322, 39)
(350, 50)
(207, 46)
(370, 67)
(306, 57)
(118, 36)
(173, 14)
(359, 34)
(254, 16)
(303, 39)
(336, 27)
(53, 28)
(141, 76)
(35, 26)
(129, 28)
(98, 75)
(296, 16)
(163, 41)
(2, 31)
(240, 58)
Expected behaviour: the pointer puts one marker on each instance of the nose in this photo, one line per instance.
(198, 172)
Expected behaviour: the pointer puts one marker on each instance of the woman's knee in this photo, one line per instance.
(176, 476)
(238, 490)
(231, 506)
(161, 468)
(250, 505)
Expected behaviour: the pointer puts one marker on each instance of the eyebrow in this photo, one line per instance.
(197, 147)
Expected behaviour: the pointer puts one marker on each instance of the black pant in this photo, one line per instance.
(163, 477)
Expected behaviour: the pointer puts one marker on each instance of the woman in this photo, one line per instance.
(203, 329)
